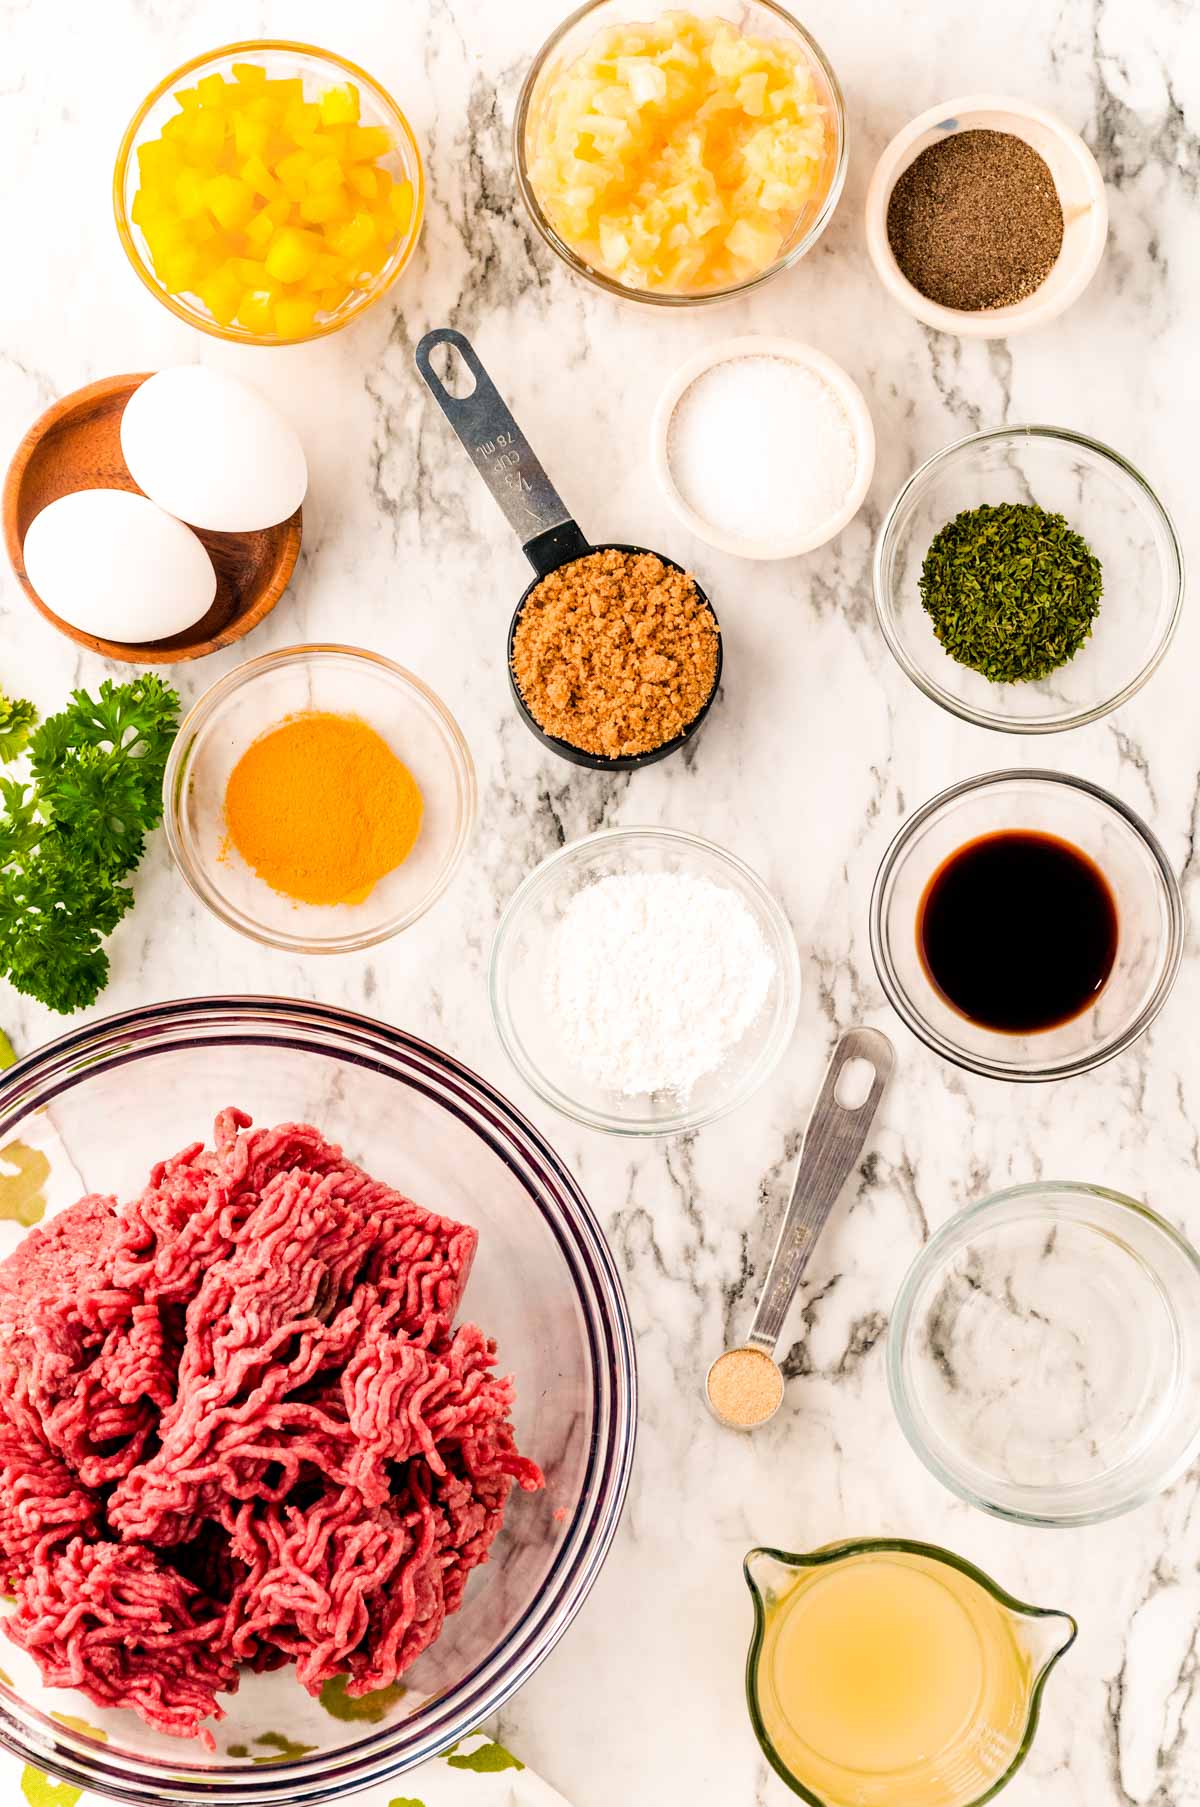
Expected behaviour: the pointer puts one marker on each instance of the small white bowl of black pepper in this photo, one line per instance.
(986, 216)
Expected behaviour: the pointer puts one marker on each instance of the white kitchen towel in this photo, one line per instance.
(476, 1772)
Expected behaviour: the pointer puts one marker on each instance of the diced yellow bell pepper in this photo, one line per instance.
(301, 118)
(188, 192)
(255, 313)
(326, 172)
(230, 201)
(158, 161)
(260, 230)
(253, 274)
(351, 240)
(340, 106)
(401, 202)
(259, 178)
(326, 270)
(204, 133)
(295, 315)
(179, 270)
(267, 205)
(324, 205)
(264, 106)
(361, 177)
(211, 89)
(250, 136)
(221, 293)
(146, 208)
(385, 227)
(292, 172)
(290, 254)
(364, 143)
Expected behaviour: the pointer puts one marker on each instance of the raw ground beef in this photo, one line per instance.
(238, 1426)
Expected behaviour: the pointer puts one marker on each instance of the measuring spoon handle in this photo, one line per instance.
(504, 458)
(832, 1144)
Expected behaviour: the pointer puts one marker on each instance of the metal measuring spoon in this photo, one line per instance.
(749, 1376)
(533, 508)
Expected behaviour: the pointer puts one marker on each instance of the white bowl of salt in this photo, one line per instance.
(763, 447)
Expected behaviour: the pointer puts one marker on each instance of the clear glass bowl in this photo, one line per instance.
(1150, 921)
(525, 1021)
(762, 18)
(283, 59)
(256, 696)
(1104, 499)
(103, 1103)
(1044, 1354)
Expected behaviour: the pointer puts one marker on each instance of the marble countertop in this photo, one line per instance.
(817, 750)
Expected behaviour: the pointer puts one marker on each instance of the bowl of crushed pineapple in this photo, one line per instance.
(680, 154)
(268, 192)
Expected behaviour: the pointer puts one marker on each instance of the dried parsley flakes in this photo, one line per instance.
(1011, 590)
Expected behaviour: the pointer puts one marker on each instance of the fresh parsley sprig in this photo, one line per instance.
(71, 836)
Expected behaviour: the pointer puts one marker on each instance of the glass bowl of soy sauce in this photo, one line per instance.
(1026, 925)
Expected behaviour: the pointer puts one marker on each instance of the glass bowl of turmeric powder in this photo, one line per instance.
(319, 799)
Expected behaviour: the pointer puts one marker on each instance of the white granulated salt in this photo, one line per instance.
(761, 448)
(653, 979)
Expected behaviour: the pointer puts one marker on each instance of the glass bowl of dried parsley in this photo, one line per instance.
(1028, 579)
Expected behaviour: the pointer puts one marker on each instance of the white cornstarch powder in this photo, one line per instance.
(654, 978)
(761, 448)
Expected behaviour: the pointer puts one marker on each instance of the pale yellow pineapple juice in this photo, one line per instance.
(889, 1680)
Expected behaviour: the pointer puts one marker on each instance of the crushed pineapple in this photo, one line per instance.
(679, 155)
(270, 209)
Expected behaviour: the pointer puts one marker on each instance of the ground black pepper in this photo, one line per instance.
(975, 221)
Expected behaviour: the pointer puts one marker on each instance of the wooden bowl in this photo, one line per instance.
(76, 444)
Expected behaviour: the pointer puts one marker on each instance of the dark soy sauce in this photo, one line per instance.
(1018, 931)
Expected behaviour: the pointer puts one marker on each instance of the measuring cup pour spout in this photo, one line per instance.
(1047, 1635)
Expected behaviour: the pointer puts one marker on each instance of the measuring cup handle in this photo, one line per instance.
(504, 458)
(833, 1142)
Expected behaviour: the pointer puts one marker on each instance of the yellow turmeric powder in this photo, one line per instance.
(321, 808)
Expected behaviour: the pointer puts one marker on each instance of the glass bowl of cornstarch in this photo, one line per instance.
(644, 981)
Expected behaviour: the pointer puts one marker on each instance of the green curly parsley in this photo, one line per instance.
(17, 718)
(69, 838)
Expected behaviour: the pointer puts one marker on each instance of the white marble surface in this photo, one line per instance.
(816, 751)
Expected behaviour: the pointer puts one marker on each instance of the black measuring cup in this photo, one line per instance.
(537, 514)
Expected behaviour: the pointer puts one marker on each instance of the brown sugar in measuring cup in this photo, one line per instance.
(613, 664)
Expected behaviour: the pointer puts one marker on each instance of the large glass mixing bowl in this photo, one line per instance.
(99, 1106)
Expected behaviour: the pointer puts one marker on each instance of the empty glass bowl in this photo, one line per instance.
(1150, 921)
(283, 60)
(757, 18)
(525, 1019)
(102, 1104)
(1044, 1354)
(1104, 499)
(258, 695)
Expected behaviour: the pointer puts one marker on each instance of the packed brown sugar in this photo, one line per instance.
(615, 653)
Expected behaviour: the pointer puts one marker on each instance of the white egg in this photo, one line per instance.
(212, 450)
(116, 566)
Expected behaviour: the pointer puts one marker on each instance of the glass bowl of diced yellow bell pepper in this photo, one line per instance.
(268, 192)
(680, 151)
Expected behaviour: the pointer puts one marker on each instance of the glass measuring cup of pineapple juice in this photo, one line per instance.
(884, 1673)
